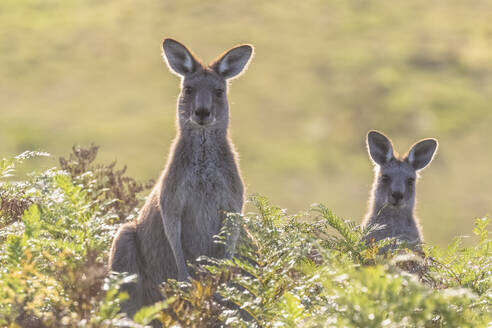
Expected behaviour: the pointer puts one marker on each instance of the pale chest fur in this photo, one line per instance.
(392, 225)
(205, 184)
(211, 186)
(209, 174)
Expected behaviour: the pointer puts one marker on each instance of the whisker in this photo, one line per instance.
(382, 208)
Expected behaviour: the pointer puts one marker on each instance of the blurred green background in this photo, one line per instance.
(324, 73)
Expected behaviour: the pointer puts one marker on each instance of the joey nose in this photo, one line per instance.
(397, 196)
(202, 113)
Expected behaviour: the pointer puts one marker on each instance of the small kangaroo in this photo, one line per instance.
(392, 199)
(199, 185)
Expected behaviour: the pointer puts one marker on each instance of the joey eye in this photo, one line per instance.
(219, 93)
(188, 90)
(410, 181)
(385, 178)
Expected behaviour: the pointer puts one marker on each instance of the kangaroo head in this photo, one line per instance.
(396, 176)
(203, 99)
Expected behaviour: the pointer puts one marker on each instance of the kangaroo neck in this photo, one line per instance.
(202, 146)
(387, 212)
(203, 136)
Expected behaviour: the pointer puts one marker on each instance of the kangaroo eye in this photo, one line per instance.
(385, 178)
(219, 93)
(188, 90)
(410, 181)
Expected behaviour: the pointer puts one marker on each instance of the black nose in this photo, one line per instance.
(202, 113)
(397, 196)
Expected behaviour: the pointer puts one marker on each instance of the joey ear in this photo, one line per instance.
(179, 59)
(422, 153)
(379, 147)
(233, 62)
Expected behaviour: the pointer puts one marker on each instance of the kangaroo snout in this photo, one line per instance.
(396, 197)
(202, 113)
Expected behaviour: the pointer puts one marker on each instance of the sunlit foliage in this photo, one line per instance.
(308, 270)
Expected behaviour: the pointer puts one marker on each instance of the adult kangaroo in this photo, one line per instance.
(392, 200)
(199, 185)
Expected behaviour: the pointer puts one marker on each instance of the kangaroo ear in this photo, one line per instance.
(379, 147)
(179, 59)
(232, 63)
(422, 153)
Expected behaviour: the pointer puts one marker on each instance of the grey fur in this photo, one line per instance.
(391, 210)
(200, 183)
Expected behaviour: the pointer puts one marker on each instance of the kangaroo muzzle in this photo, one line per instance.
(202, 116)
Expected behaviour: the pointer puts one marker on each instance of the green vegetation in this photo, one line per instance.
(324, 73)
(308, 270)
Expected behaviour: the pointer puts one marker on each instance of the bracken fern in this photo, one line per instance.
(312, 269)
